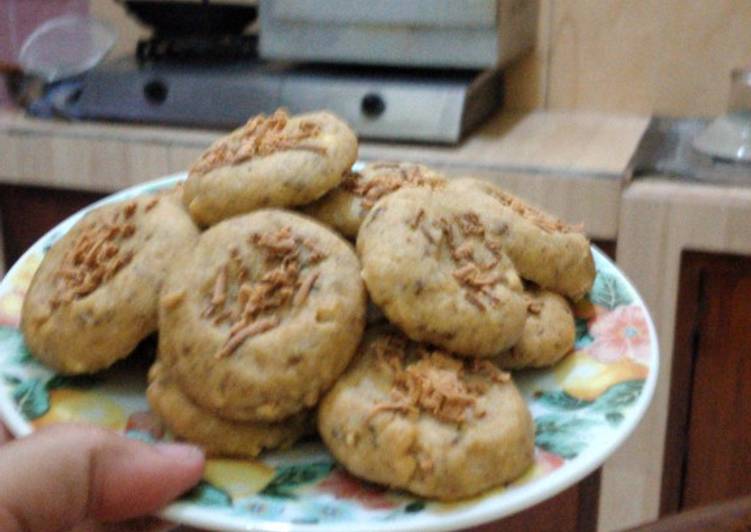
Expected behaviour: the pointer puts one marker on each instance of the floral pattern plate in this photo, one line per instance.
(584, 408)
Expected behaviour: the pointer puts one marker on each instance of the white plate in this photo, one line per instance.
(584, 408)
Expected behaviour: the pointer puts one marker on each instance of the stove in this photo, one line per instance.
(217, 73)
(378, 104)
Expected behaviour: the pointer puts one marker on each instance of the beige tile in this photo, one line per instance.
(526, 78)
(646, 56)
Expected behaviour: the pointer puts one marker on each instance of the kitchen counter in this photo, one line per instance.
(570, 163)
(574, 164)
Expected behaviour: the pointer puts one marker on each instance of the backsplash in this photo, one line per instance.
(666, 57)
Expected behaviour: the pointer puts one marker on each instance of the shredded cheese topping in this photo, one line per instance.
(477, 279)
(534, 306)
(435, 383)
(95, 256)
(260, 136)
(250, 309)
(391, 179)
(544, 221)
(470, 224)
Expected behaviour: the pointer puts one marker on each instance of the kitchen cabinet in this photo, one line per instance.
(573, 510)
(707, 456)
(29, 212)
(694, 428)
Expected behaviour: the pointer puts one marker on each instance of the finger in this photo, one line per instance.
(66, 474)
(139, 524)
(5, 435)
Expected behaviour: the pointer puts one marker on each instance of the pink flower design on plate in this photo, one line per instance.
(147, 422)
(12, 322)
(622, 333)
(547, 461)
(342, 485)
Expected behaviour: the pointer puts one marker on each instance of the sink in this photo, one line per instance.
(667, 149)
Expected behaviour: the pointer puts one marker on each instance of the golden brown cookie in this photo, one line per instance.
(432, 261)
(95, 295)
(416, 419)
(262, 315)
(345, 207)
(276, 161)
(549, 332)
(544, 250)
(217, 436)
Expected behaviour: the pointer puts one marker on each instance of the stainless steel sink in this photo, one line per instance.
(666, 149)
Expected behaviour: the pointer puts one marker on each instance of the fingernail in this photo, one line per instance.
(179, 451)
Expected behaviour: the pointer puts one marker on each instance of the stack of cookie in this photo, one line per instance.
(472, 281)
(268, 315)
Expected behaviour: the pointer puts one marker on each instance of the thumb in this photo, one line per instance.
(65, 474)
(4, 434)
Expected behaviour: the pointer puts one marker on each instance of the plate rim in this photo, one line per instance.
(557, 481)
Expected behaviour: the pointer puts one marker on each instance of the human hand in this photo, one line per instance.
(70, 476)
(4, 434)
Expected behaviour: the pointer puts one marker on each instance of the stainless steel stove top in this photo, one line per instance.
(380, 103)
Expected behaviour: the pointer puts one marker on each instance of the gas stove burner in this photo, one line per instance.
(198, 48)
(180, 18)
(442, 106)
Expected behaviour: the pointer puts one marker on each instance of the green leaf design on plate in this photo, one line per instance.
(560, 400)
(73, 381)
(207, 494)
(614, 418)
(608, 292)
(563, 435)
(414, 507)
(619, 396)
(6, 333)
(583, 338)
(11, 379)
(305, 520)
(140, 435)
(23, 356)
(32, 398)
(290, 477)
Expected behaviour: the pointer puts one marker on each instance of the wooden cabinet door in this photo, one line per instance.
(29, 212)
(574, 510)
(708, 451)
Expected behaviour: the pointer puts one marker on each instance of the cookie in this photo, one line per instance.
(262, 315)
(217, 436)
(345, 207)
(432, 261)
(549, 332)
(420, 420)
(276, 161)
(544, 250)
(95, 294)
